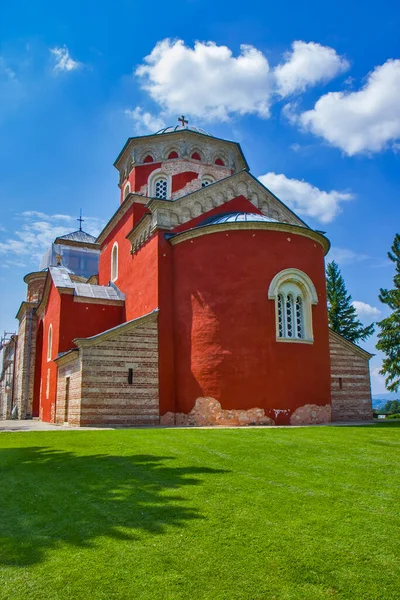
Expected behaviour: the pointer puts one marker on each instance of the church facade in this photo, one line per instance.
(206, 305)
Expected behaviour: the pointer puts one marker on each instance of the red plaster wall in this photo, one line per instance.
(51, 317)
(225, 334)
(179, 181)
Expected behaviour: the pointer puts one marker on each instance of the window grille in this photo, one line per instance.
(206, 182)
(161, 189)
(281, 331)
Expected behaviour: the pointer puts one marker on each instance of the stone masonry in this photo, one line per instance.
(350, 381)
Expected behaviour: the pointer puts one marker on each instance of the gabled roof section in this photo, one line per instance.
(116, 331)
(350, 345)
(78, 236)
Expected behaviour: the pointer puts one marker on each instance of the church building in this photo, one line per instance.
(202, 302)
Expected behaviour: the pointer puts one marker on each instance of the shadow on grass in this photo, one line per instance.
(48, 498)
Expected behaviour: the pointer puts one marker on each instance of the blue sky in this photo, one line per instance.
(310, 91)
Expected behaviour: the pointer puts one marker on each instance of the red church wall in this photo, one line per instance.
(181, 179)
(49, 370)
(225, 328)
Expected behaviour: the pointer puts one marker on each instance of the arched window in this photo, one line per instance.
(114, 262)
(219, 162)
(206, 180)
(161, 188)
(196, 156)
(148, 159)
(127, 190)
(172, 154)
(294, 293)
(159, 185)
(50, 342)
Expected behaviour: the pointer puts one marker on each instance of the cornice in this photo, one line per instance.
(67, 357)
(119, 213)
(35, 275)
(24, 308)
(251, 225)
(89, 245)
(349, 345)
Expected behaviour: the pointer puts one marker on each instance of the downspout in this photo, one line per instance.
(28, 370)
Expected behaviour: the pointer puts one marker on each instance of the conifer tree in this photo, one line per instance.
(389, 335)
(342, 314)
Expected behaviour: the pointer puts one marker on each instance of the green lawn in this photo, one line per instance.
(310, 513)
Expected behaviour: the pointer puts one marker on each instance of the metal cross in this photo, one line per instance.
(80, 220)
(183, 121)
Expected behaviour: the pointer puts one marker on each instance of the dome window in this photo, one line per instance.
(161, 188)
(172, 155)
(148, 159)
(206, 181)
(219, 162)
(196, 156)
(127, 190)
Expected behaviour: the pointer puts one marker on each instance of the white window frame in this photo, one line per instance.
(114, 262)
(208, 178)
(152, 181)
(293, 283)
(127, 190)
(50, 342)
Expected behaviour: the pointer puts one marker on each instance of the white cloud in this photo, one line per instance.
(37, 231)
(365, 310)
(144, 122)
(63, 60)
(344, 256)
(6, 73)
(306, 65)
(304, 198)
(363, 121)
(207, 81)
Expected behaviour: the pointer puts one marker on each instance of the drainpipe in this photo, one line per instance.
(28, 370)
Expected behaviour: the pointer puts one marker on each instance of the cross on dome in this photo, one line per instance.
(183, 121)
(80, 220)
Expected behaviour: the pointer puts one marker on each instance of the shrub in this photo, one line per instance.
(395, 416)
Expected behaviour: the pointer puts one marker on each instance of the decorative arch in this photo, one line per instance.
(218, 161)
(195, 156)
(50, 342)
(148, 158)
(172, 155)
(293, 293)
(127, 190)
(159, 185)
(114, 262)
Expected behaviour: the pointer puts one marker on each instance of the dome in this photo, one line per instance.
(174, 128)
(238, 217)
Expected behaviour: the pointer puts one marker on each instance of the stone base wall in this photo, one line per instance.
(100, 392)
(208, 411)
(25, 363)
(350, 381)
(68, 404)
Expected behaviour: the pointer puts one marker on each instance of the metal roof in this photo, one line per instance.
(173, 128)
(78, 236)
(61, 278)
(237, 217)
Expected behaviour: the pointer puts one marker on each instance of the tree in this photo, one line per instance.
(389, 335)
(342, 314)
(392, 407)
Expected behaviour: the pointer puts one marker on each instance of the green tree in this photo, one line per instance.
(391, 406)
(341, 313)
(389, 335)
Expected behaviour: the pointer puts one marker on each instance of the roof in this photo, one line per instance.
(78, 236)
(173, 128)
(237, 217)
(61, 278)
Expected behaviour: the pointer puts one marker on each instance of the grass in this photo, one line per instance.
(167, 514)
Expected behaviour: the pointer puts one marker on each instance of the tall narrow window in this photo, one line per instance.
(114, 262)
(161, 188)
(50, 343)
(281, 321)
(289, 315)
(299, 317)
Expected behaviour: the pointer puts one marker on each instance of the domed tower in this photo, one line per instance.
(175, 161)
